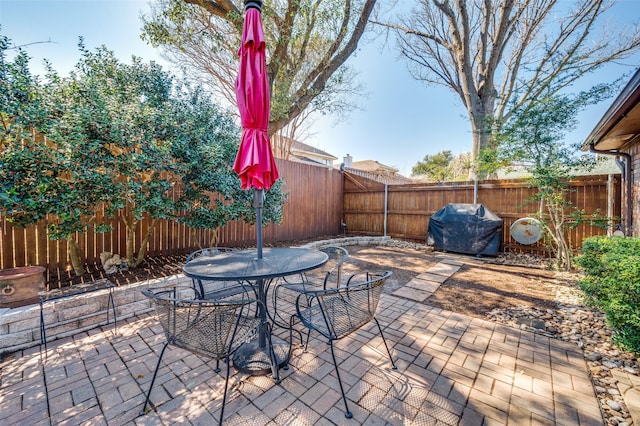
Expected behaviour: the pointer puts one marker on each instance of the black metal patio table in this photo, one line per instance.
(244, 265)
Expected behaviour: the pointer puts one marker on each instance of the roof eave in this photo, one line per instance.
(621, 106)
(314, 154)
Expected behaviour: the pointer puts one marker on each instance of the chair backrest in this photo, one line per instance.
(346, 309)
(214, 289)
(210, 328)
(209, 251)
(333, 267)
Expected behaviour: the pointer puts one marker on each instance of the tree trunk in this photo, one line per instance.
(75, 256)
(556, 228)
(480, 138)
(215, 236)
(194, 237)
(130, 234)
(142, 252)
(476, 143)
(213, 241)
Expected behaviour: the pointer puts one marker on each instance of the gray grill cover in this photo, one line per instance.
(465, 228)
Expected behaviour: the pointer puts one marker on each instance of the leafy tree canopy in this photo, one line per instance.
(532, 136)
(206, 143)
(116, 138)
(435, 167)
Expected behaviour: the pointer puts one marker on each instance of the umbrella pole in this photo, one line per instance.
(258, 202)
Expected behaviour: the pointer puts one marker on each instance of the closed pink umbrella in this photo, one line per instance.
(254, 163)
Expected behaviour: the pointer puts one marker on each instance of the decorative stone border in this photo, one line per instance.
(350, 241)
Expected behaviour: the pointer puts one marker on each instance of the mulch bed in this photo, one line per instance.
(151, 267)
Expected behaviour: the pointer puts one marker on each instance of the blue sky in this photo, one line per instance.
(400, 122)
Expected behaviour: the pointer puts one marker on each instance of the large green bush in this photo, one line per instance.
(612, 282)
(121, 139)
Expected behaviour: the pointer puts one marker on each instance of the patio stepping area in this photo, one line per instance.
(423, 286)
(452, 369)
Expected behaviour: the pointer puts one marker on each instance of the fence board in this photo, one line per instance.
(6, 246)
(319, 200)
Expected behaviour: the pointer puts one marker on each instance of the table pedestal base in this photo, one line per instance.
(255, 361)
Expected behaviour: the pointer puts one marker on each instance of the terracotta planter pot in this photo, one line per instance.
(20, 286)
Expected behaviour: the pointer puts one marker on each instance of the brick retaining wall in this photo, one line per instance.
(20, 327)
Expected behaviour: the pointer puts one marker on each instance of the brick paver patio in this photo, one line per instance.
(452, 369)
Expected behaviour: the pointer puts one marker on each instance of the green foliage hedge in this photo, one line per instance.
(612, 282)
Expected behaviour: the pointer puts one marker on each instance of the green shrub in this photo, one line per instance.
(612, 282)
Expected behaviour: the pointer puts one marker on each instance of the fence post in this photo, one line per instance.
(386, 205)
(475, 191)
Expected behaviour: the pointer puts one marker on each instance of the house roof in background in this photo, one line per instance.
(606, 165)
(373, 166)
(299, 149)
(377, 171)
(303, 159)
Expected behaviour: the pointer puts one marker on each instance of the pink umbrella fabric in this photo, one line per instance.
(254, 163)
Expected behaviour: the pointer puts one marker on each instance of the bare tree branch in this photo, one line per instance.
(21, 46)
(498, 55)
(308, 43)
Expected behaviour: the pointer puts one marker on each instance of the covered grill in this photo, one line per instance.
(465, 228)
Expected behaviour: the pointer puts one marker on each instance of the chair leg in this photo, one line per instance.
(224, 395)
(155, 373)
(347, 413)
(306, 343)
(276, 317)
(291, 323)
(385, 343)
(291, 329)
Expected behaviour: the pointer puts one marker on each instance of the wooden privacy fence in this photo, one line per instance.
(403, 211)
(313, 208)
(319, 201)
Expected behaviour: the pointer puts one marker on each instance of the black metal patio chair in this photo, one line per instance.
(216, 290)
(330, 275)
(336, 313)
(214, 329)
(209, 251)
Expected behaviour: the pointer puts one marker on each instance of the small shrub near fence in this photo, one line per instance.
(612, 282)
